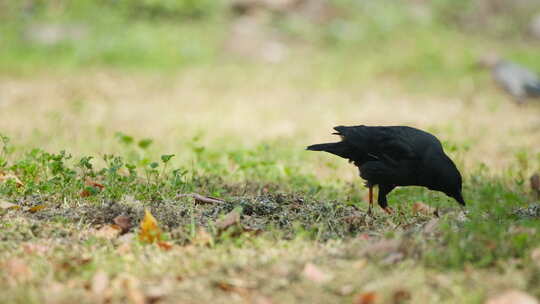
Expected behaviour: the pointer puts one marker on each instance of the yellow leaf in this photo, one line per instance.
(37, 208)
(150, 231)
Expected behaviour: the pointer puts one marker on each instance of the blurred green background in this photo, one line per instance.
(401, 36)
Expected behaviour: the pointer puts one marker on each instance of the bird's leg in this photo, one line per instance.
(383, 191)
(370, 198)
(388, 210)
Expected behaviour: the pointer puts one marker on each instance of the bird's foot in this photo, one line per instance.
(388, 210)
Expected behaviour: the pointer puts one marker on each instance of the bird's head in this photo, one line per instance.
(448, 180)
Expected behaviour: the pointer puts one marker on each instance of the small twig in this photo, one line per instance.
(202, 199)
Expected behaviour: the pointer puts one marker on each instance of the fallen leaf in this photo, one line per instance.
(133, 292)
(369, 297)
(91, 188)
(156, 293)
(164, 245)
(512, 297)
(230, 219)
(202, 238)
(108, 232)
(346, 290)
(100, 282)
(125, 248)
(422, 208)
(85, 193)
(401, 296)
(313, 273)
(5, 176)
(74, 262)
(37, 208)
(363, 236)
(31, 248)
(150, 231)
(8, 205)
(17, 269)
(124, 222)
(94, 184)
(382, 248)
(228, 287)
(360, 264)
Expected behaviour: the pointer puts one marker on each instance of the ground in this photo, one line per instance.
(302, 235)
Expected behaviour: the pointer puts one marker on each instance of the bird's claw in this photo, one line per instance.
(388, 210)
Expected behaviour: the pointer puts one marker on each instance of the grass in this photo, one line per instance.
(104, 127)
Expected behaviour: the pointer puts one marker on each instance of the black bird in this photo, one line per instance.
(396, 156)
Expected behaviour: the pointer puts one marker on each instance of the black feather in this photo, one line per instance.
(397, 156)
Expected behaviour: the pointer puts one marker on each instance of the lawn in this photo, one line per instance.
(91, 139)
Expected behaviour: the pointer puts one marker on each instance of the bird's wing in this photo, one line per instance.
(388, 144)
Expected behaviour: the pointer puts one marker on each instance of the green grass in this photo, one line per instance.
(299, 218)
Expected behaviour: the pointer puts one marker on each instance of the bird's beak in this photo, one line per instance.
(459, 198)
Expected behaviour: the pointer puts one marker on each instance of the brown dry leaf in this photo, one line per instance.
(17, 269)
(313, 273)
(31, 248)
(512, 297)
(100, 283)
(230, 219)
(108, 232)
(150, 231)
(369, 297)
(125, 248)
(37, 208)
(8, 205)
(133, 292)
(422, 208)
(228, 287)
(5, 176)
(94, 184)
(124, 222)
(401, 296)
(85, 193)
(165, 245)
(382, 248)
(345, 290)
(360, 264)
(202, 238)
